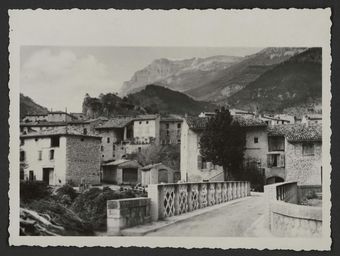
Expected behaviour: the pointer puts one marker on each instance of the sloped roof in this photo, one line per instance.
(124, 163)
(297, 132)
(146, 117)
(57, 131)
(150, 166)
(199, 123)
(115, 123)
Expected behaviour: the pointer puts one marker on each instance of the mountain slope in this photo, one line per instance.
(239, 75)
(293, 83)
(178, 75)
(157, 99)
(29, 107)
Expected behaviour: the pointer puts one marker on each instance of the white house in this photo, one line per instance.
(58, 157)
(146, 129)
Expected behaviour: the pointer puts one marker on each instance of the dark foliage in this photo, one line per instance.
(222, 143)
(33, 190)
(255, 176)
(91, 205)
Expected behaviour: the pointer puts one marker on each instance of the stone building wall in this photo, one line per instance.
(170, 132)
(306, 169)
(83, 159)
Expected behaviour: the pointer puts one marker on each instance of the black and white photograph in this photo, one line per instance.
(164, 142)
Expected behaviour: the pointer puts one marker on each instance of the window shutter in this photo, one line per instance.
(282, 160)
(199, 162)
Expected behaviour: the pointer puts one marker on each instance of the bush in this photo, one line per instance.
(68, 191)
(255, 176)
(91, 205)
(33, 190)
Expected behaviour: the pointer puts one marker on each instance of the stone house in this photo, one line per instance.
(295, 154)
(58, 157)
(158, 173)
(115, 134)
(195, 168)
(146, 129)
(170, 130)
(121, 172)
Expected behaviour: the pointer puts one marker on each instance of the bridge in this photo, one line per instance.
(190, 209)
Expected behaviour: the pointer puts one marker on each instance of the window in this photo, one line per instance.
(22, 142)
(167, 133)
(101, 148)
(256, 140)
(179, 126)
(139, 149)
(275, 160)
(147, 122)
(140, 122)
(308, 149)
(84, 131)
(22, 156)
(55, 141)
(51, 154)
(201, 163)
(39, 155)
(108, 140)
(167, 126)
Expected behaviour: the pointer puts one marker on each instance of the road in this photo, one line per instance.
(232, 220)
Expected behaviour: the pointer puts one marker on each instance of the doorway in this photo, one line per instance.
(48, 175)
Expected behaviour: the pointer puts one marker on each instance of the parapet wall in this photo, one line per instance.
(168, 200)
(285, 218)
(129, 212)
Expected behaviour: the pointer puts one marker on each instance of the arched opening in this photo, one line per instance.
(274, 179)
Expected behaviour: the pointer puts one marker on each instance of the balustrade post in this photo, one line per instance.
(155, 205)
(218, 193)
(237, 189)
(193, 197)
(230, 191)
(203, 195)
(242, 188)
(211, 194)
(234, 190)
(224, 192)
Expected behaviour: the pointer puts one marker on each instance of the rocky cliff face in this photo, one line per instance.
(177, 74)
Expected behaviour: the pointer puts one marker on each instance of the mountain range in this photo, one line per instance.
(286, 80)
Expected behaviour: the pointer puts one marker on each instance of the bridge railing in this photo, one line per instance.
(172, 199)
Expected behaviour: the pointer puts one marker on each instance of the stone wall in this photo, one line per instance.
(285, 218)
(306, 169)
(170, 132)
(291, 220)
(83, 159)
(124, 213)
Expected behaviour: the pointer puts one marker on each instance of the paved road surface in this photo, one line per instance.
(231, 220)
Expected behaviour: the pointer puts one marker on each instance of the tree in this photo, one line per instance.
(169, 155)
(222, 143)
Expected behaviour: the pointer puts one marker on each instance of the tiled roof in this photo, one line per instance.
(45, 123)
(171, 118)
(199, 123)
(145, 117)
(161, 165)
(57, 131)
(115, 123)
(297, 132)
(123, 163)
(314, 116)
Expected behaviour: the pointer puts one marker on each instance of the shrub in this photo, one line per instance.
(33, 190)
(91, 205)
(67, 190)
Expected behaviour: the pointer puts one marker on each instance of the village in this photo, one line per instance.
(60, 148)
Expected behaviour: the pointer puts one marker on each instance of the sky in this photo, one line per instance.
(59, 77)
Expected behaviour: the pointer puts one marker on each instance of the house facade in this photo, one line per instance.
(195, 168)
(121, 172)
(158, 173)
(146, 129)
(295, 154)
(170, 130)
(58, 158)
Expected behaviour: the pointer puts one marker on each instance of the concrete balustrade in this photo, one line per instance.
(284, 217)
(175, 199)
